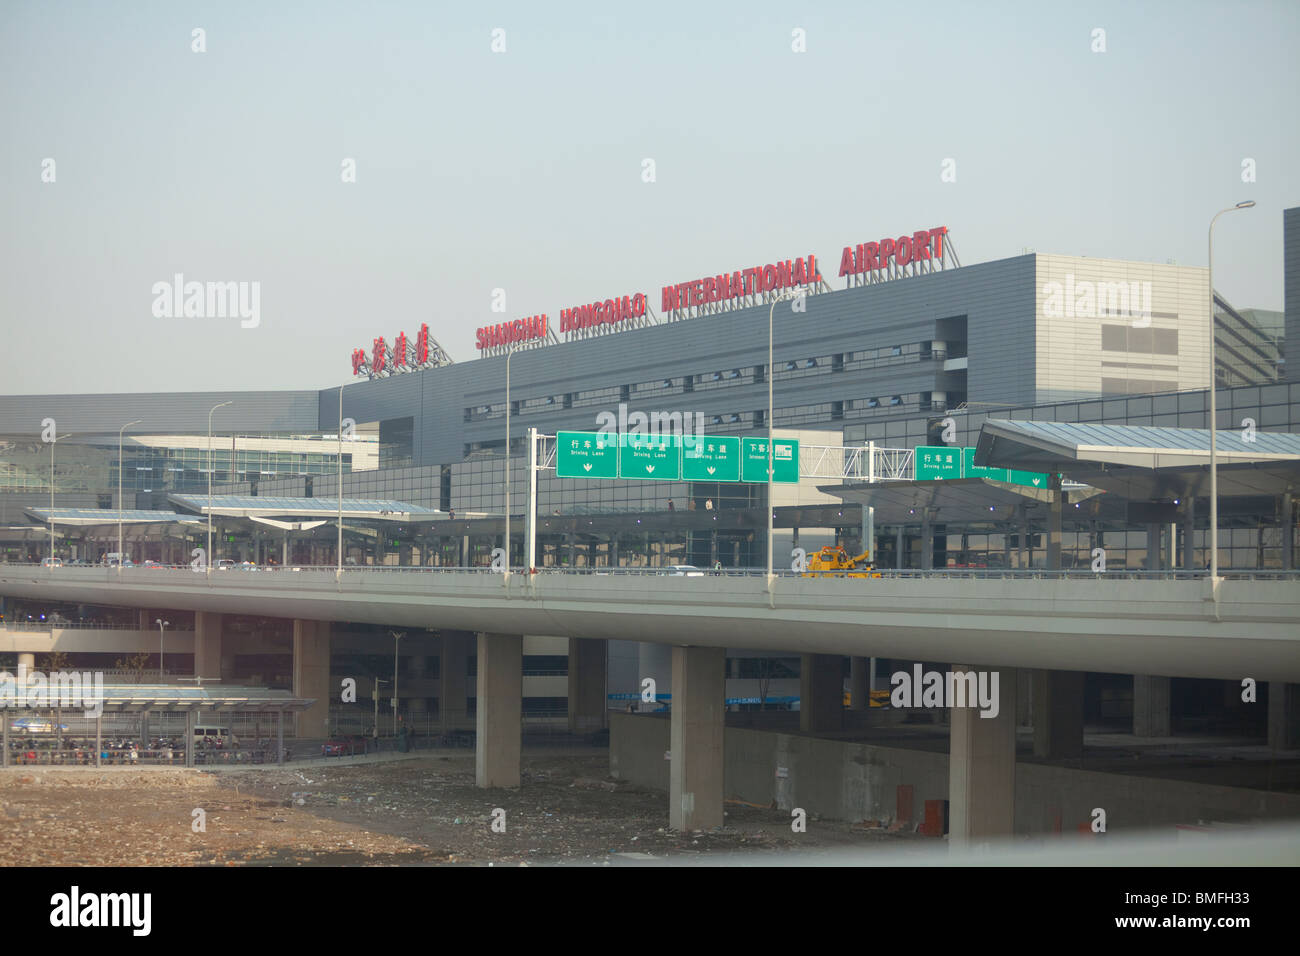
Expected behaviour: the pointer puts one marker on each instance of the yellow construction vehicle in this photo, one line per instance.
(833, 561)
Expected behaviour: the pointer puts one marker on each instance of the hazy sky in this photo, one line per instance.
(522, 170)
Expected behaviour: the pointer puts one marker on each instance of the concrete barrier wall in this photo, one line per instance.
(855, 781)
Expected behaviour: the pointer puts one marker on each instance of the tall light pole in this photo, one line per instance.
(339, 549)
(509, 355)
(397, 637)
(53, 441)
(162, 625)
(120, 469)
(771, 373)
(214, 408)
(1214, 454)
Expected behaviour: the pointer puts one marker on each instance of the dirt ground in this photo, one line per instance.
(424, 810)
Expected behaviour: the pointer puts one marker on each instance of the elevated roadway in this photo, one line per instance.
(1169, 623)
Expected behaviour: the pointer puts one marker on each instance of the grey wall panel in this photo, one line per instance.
(997, 299)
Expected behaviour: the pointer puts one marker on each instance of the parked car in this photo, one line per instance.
(344, 746)
(224, 564)
(151, 564)
(52, 563)
(682, 570)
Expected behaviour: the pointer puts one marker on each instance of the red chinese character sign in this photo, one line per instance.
(402, 357)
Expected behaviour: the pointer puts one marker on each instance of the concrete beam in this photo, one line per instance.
(695, 774)
(311, 675)
(1151, 712)
(500, 710)
(207, 644)
(982, 766)
(1058, 713)
(588, 662)
(821, 693)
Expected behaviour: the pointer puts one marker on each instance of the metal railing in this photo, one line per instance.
(136, 574)
(80, 625)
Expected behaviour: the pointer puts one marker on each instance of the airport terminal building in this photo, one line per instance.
(904, 347)
(868, 352)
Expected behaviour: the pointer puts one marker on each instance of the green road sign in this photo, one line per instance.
(937, 462)
(785, 460)
(657, 458)
(1034, 479)
(586, 455)
(711, 459)
(971, 470)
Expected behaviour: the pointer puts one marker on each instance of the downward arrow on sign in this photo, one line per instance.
(710, 469)
(1036, 480)
(587, 467)
(650, 468)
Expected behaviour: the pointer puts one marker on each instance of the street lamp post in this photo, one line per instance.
(375, 694)
(338, 573)
(506, 575)
(120, 469)
(214, 408)
(53, 441)
(162, 625)
(771, 372)
(397, 636)
(1214, 455)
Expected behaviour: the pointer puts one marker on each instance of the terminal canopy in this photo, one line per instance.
(1143, 462)
(93, 517)
(285, 509)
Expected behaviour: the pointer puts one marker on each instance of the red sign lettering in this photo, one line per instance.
(508, 333)
(871, 256)
(785, 274)
(422, 344)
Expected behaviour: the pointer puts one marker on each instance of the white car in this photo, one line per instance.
(682, 571)
(52, 563)
(225, 564)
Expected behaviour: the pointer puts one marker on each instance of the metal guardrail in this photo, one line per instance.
(137, 574)
(78, 625)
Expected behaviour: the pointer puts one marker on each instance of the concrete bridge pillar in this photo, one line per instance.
(821, 693)
(453, 681)
(27, 662)
(859, 683)
(1287, 521)
(1054, 523)
(927, 541)
(500, 710)
(982, 767)
(1058, 713)
(207, 644)
(587, 667)
(1283, 715)
(695, 772)
(1151, 714)
(311, 675)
